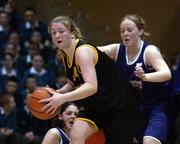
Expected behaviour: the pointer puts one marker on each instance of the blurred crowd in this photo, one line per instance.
(27, 61)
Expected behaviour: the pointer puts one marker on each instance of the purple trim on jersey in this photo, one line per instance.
(177, 77)
(64, 137)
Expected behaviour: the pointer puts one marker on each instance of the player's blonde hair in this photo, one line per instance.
(69, 23)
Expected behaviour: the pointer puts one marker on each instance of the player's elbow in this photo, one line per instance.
(168, 75)
(94, 88)
(91, 88)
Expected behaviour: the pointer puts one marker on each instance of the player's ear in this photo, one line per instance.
(60, 116)
(72, 35)
(141, 31)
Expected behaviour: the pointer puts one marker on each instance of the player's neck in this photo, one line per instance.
(135, 48)
(70, 51)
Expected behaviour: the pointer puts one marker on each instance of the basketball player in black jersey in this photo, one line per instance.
(109, 101)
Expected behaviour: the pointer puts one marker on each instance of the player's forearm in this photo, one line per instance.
(66, 88)
(82, 92)
(159, 76)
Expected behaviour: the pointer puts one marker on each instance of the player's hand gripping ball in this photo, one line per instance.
(35, 106)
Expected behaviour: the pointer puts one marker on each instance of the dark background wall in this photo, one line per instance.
(99, 19)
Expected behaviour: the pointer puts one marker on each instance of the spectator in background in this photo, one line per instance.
(31, 23)
(14, 39)
(25, 61)
(12, 88)
(15, 17)
(12, 49)
(36, 40)
(29, 86)
(31, 129)
(5, 28)
(7, 68)
(42, 75)
(8, 121)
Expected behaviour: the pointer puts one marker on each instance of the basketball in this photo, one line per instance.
(97, 138)
(35, 106)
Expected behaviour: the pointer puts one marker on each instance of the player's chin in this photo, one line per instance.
(70, 124)
(127, 43)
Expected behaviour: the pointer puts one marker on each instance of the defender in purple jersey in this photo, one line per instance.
(144, 66)
(60, 132)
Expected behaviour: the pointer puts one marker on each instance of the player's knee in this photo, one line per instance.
(77, 131)
(80, 131)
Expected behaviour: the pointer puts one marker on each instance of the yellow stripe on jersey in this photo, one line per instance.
(65, 69)
(93, 48)
(88, 120)
(75, 73)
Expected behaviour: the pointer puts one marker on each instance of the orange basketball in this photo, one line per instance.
(35, 106)
(97, 138)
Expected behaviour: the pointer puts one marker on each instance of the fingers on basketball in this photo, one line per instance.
(36, 107)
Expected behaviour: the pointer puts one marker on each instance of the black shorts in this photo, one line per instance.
(118, 127)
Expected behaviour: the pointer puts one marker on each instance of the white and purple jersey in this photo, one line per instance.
(157, 107)
(152, 92)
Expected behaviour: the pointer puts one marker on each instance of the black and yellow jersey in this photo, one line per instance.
(113, 89)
